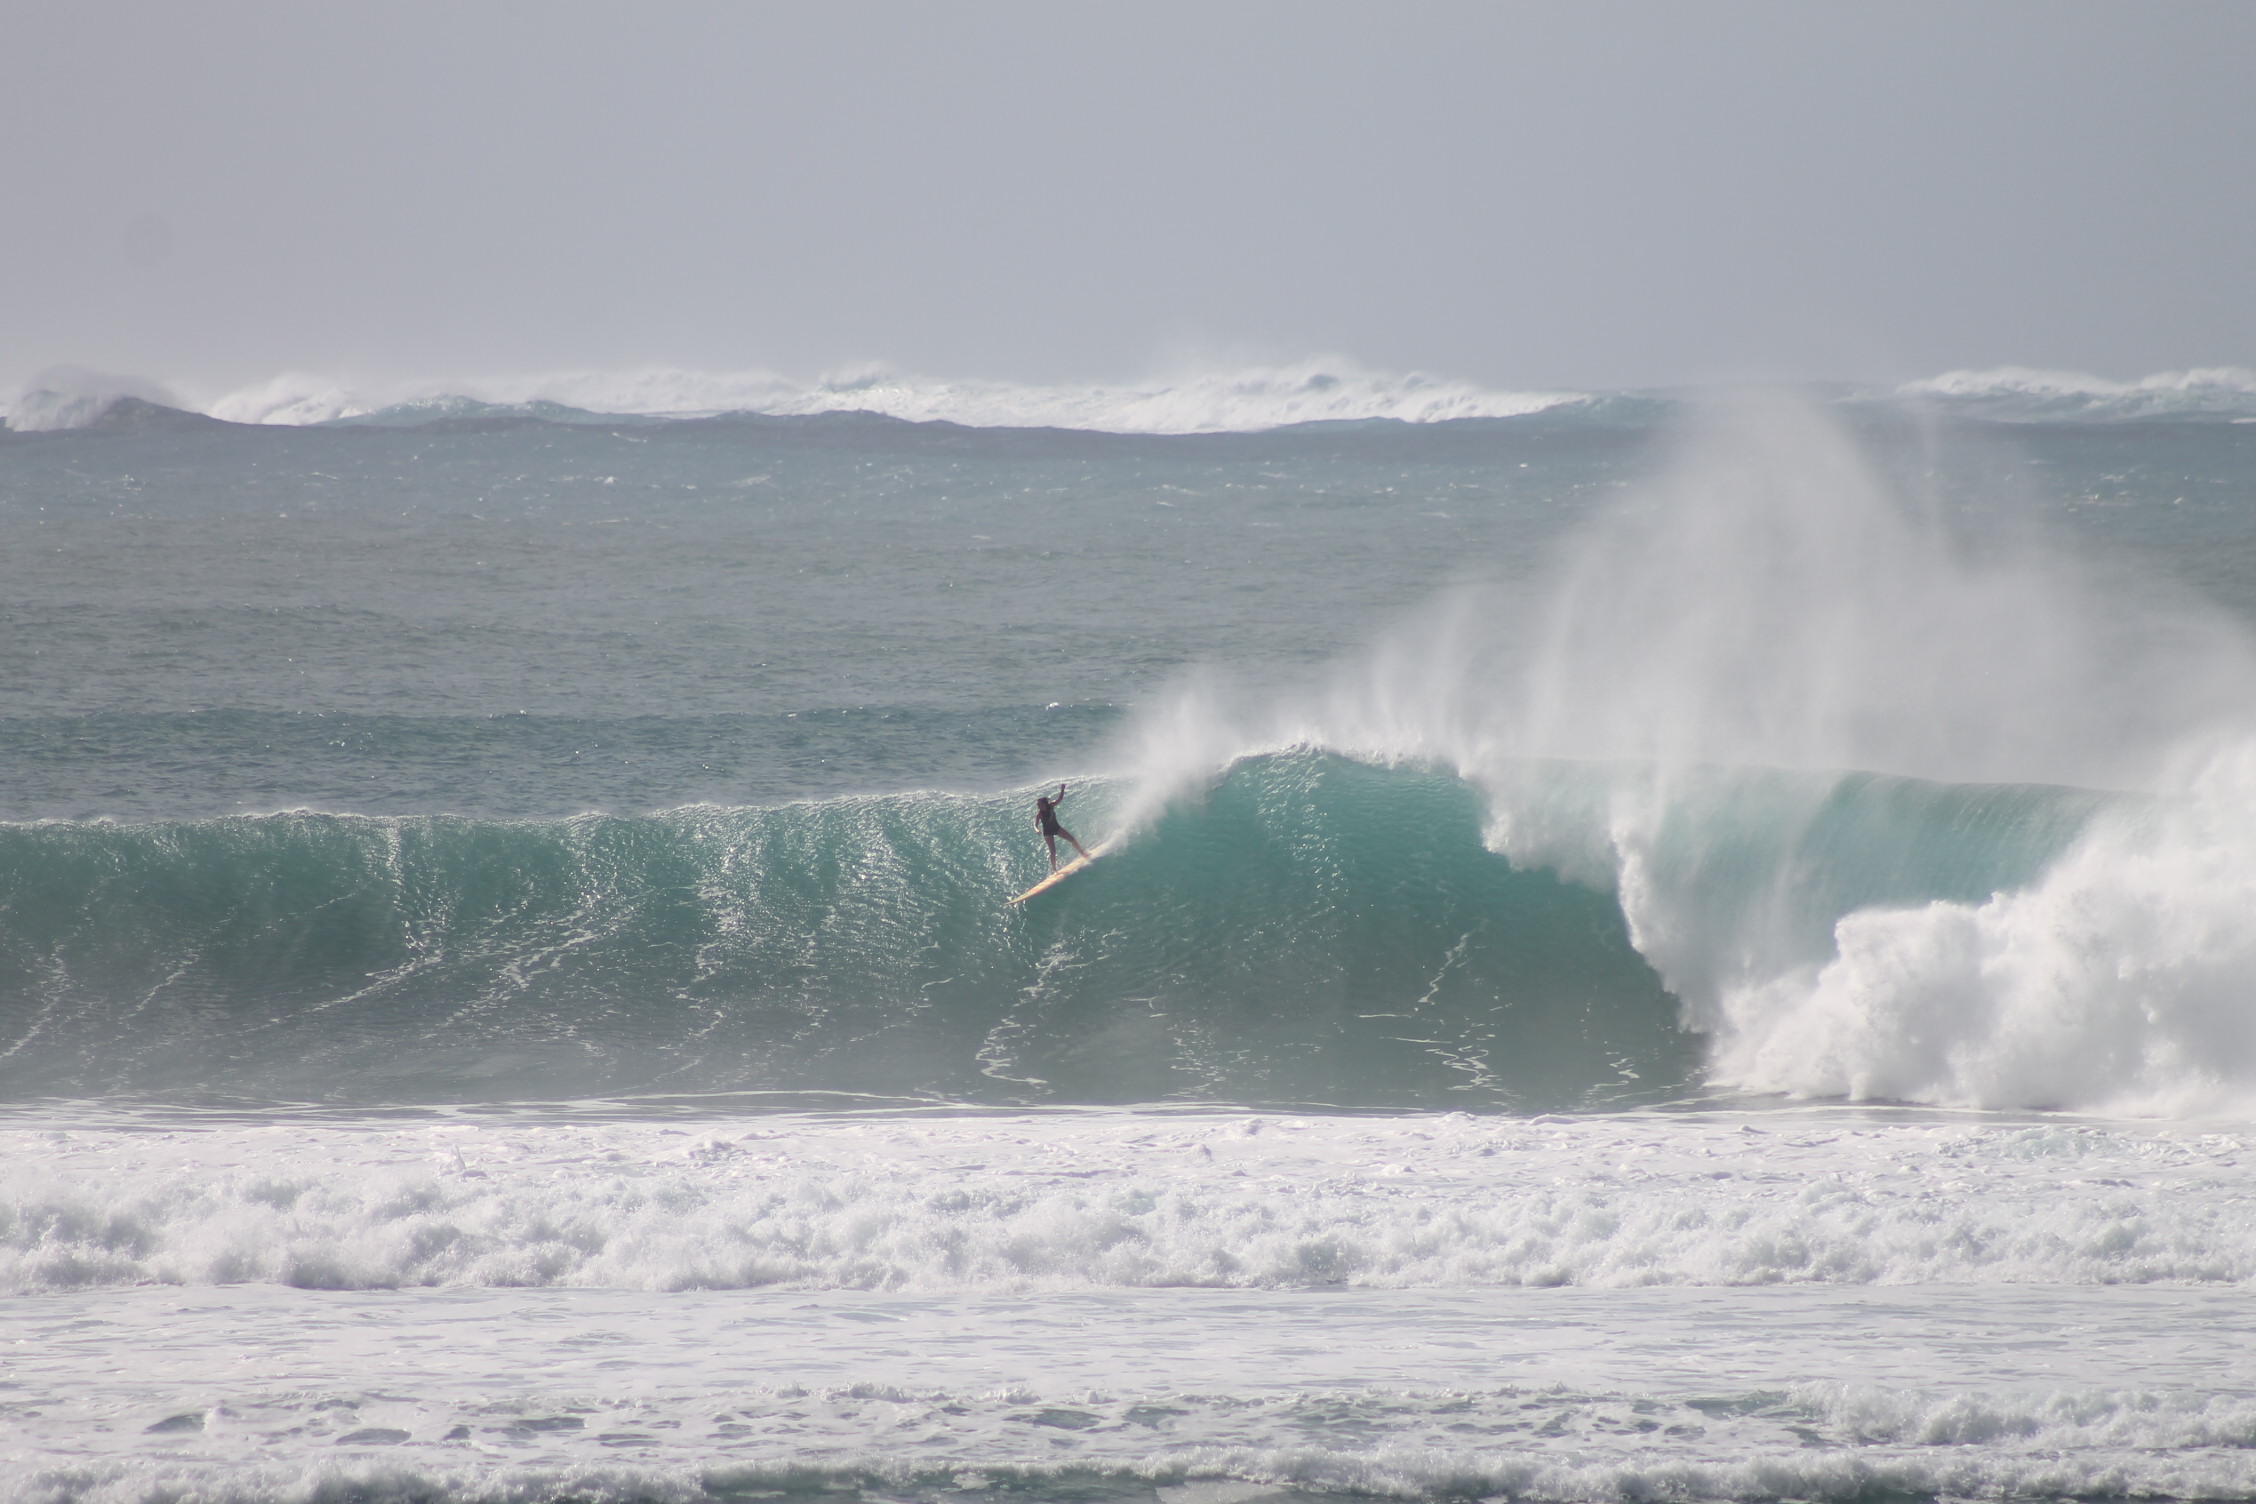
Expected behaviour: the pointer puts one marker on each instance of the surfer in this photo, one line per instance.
(1045, 816)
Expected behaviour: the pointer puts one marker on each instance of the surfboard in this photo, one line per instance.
(1067, 870)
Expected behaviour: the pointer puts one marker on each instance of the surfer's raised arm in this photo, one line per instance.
(1046, 820)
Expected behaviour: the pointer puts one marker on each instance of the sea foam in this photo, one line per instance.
(874, 1443)
(1110, 1200)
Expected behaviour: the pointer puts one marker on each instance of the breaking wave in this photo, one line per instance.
(1327, 389)
(67, 397)
(1308, 929)
(1982, 928)
(2022, 395)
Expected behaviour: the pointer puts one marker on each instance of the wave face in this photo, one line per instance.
(1311, 929)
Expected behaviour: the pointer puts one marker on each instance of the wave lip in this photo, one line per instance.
(2027, 395)
(1326, 389)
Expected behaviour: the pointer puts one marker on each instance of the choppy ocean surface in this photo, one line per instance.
(1663, 946)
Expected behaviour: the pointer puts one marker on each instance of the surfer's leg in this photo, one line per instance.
(1052, 843)
(1069, 837)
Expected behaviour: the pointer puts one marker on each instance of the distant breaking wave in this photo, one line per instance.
(66, 397)
(1258, 397)
(2019, 394)
(1327, 389)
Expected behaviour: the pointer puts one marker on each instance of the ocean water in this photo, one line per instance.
(1662, 945)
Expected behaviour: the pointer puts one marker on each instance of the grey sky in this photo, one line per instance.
(1581, 194)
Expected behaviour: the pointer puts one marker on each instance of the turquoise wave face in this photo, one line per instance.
(1309, 930)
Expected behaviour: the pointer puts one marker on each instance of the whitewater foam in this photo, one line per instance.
(2119, 980)
(1147, 1397)
(1126, 1200)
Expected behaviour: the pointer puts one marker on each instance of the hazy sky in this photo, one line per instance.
(1582, 194)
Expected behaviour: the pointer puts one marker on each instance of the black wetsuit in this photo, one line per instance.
(1045, 816)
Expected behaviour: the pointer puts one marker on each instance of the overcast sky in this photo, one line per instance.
(1578, 194)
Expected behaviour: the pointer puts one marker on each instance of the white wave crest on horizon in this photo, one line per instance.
(1325, 389)
(2033, 394)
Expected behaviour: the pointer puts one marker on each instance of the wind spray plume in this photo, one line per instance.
(1769, 600)
(1182, 744)
(1772, 601)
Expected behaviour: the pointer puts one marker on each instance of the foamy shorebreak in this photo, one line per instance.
(925, 1201)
